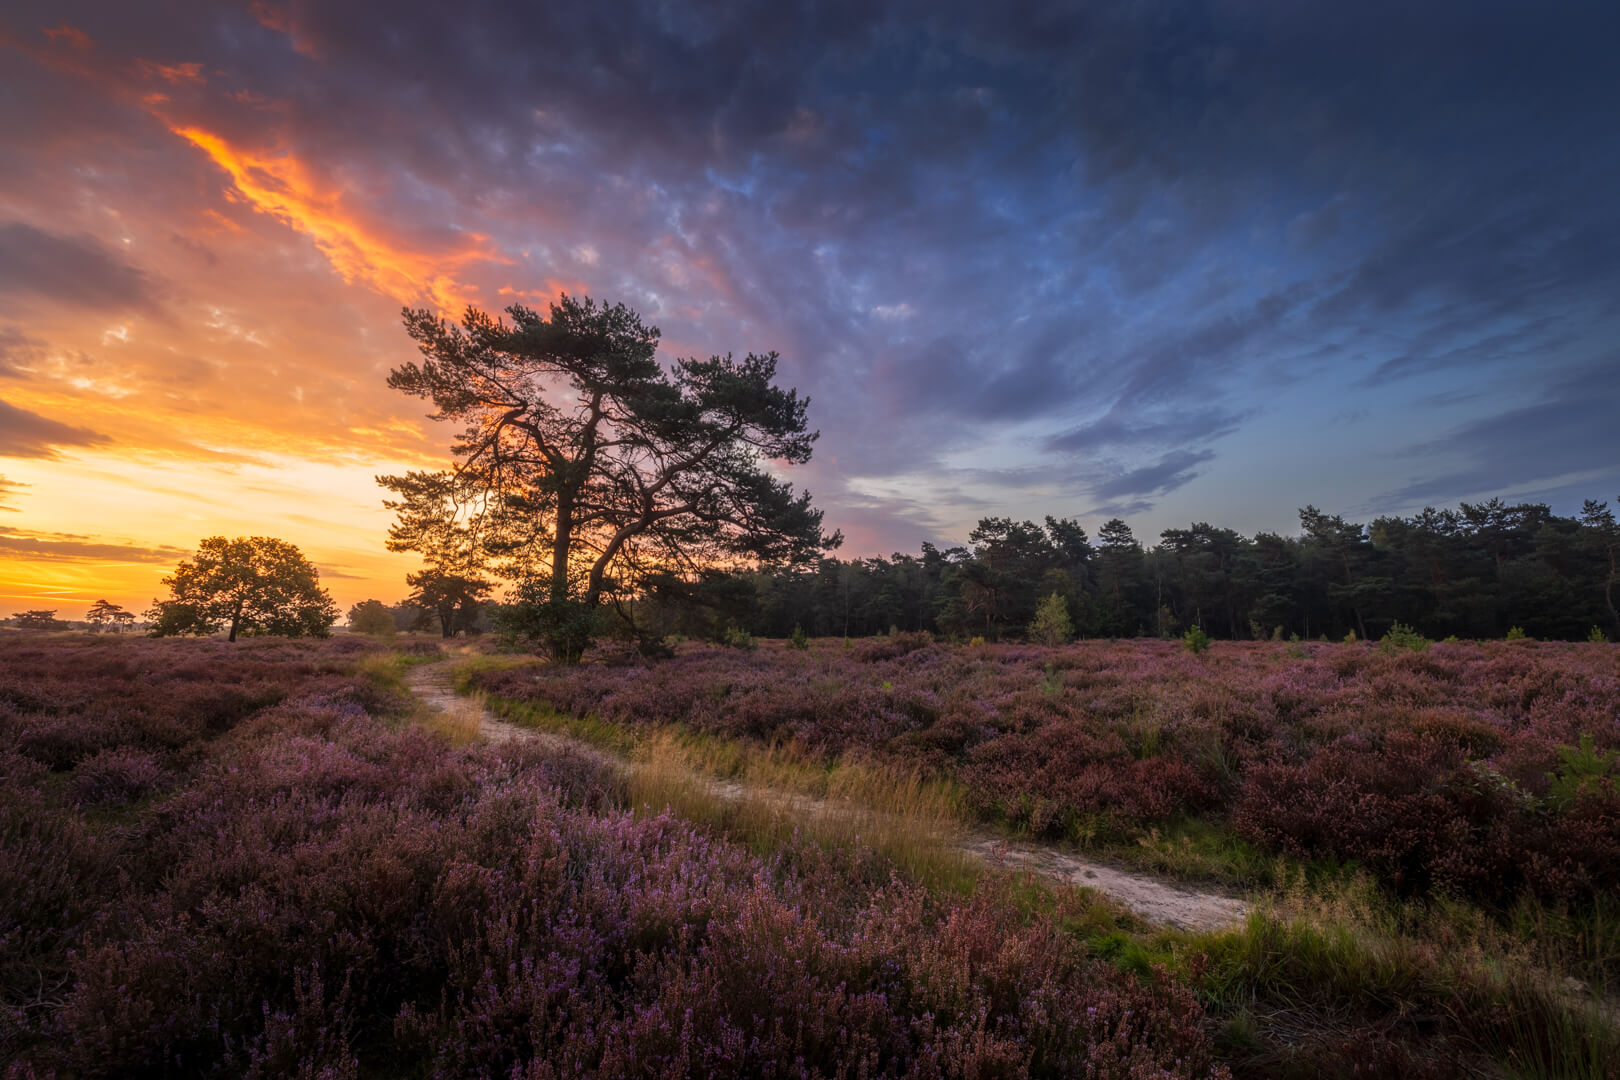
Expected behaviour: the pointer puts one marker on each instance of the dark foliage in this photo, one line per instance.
(1473, 572)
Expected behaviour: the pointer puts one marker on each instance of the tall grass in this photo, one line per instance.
(907, 821)
(766, 796)
(1348, 959)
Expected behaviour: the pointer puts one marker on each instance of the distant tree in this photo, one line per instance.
(454, 598)
(38, 619)
(1121, 566)
(1603, 536)
(102, 615)
(410, 616)
(371, 617)
(592, 462)
(1343, 554)
(250, 585)
(1052, 625)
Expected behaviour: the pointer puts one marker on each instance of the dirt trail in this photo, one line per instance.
(1157, 901)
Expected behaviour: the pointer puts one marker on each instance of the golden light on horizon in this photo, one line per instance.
(228, 379)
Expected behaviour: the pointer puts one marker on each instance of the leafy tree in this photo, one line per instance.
(585, 458)
(37, 619)
(1052, 625)
(249, 585)
(410, 616)
(698, 605)
(371, 617)
(454, 599)
(102, 615)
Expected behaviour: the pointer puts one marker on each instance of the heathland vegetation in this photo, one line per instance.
(247, 861)
(262, 859)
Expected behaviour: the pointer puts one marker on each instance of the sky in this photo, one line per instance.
(1167, 261)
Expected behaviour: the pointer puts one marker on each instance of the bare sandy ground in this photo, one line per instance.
(1157, 901)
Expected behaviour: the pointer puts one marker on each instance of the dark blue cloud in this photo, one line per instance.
(1566, 431)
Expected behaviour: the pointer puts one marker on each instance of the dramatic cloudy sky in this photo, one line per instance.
(1169, 261)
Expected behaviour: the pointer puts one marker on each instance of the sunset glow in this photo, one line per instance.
(1017, 274)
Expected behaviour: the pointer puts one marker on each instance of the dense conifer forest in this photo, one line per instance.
(1479, 571)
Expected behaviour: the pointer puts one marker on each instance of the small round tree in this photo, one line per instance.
(250, 585)
(1052, 625)
(371, 617)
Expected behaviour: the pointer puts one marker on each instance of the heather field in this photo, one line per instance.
(267, 859)
(245, 860)
(1478, 771)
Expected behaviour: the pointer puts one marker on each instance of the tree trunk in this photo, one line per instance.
(1349, 582)
(560, 543)
(1608, 590)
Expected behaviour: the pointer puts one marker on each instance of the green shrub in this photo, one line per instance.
(1052, 625)
(800, 640)
(1195, 640)
(1401, 636)
(1597, 636)
(736, 637)
(1516, 633)
(1585, 769)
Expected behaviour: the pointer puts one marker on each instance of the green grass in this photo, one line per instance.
(387, 669)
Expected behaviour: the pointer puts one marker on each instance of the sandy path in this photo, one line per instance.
(1155, 900)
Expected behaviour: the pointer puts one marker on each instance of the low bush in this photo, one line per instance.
(1311, 749)
(310, 890)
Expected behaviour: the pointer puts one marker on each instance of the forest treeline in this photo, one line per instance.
(1476, 571)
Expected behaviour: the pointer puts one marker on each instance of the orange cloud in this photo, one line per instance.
(71, 35)
(172, 73)
(280, 185)
(278, 18)
(551, 291)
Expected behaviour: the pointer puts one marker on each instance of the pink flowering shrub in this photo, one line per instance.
(116, 775)
(308, 890)
(1430, 767)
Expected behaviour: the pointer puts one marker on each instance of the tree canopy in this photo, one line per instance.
(249, 585)
(1472, 571)
(371, 617)
(454, 599)
(584, 465)
(38, 619)
(103, 614)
